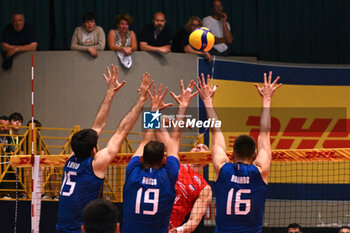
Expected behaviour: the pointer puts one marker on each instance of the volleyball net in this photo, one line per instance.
(310, 187)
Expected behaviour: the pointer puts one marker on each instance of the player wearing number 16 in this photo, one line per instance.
(241, 186)
(84, 171)
(149, 190)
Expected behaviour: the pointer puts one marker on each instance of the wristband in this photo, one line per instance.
(180, 229)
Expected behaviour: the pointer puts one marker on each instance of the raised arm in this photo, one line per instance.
(218, 148)
(184, 99)
(263, 158)
(157, 104)
(197, 213)
(105, 156)
(113, 86)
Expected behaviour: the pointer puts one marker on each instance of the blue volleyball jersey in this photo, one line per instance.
(80, 185)
(148, 196)
(240, 199)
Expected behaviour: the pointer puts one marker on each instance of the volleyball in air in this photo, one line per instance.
(202, 39)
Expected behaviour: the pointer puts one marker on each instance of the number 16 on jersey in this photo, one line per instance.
(241, 206)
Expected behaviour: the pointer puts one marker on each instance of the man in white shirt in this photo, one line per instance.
(216, 22)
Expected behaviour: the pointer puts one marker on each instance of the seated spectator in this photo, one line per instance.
(156, 37)
(13, 140)
(17, 37)
(4, 122)
(16, 121)
(100, 216)
(294, 228)
(218, 25)
(344, 229)
(181, 43)
(122, 39)
(89, 37)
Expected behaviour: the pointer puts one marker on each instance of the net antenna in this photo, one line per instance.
(36, 178)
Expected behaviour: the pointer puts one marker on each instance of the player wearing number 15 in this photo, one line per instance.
(149, 190)
(84, 171)
(241, 186)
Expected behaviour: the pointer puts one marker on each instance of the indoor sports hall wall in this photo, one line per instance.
(69, 86)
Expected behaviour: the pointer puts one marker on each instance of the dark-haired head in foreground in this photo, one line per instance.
(100, 216)
(294, 228)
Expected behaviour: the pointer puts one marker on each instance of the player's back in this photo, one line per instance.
(240, 199)
(148, 196)
(79, 186)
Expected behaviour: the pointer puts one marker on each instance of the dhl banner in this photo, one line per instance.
(309, 111)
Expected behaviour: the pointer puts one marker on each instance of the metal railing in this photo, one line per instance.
(56, 141)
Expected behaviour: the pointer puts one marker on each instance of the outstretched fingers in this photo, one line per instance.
(121, 85)
(164, 93)
(116, 71)
(160, 89)
(208, 79)
(105, 77)
(174, 96)
(108, 71)
(203, 79)
(276, 80)
(182, 85)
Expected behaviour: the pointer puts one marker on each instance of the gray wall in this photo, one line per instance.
(69, 86)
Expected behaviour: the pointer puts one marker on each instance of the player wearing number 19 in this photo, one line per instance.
(149, 189)
(241, 186)
(84, 171)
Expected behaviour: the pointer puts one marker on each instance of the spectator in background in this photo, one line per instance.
(294, 228)
(217, 23)
(4, 122)
(17, 37)
(156, 37)
(181, 43)
(88, 37)
(100, 216)
(344, 229)
(16, 121)
(122, 39)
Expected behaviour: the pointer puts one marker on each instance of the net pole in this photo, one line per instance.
(35, 159)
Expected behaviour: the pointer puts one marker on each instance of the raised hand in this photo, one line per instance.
(145, 85)
(157, 99)
(112, 79)
(205, 91)
(185, 97)
(268, 89)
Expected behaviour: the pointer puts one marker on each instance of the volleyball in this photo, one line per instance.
(202, 39)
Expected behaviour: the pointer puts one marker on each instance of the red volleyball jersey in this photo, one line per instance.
(188, 187)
